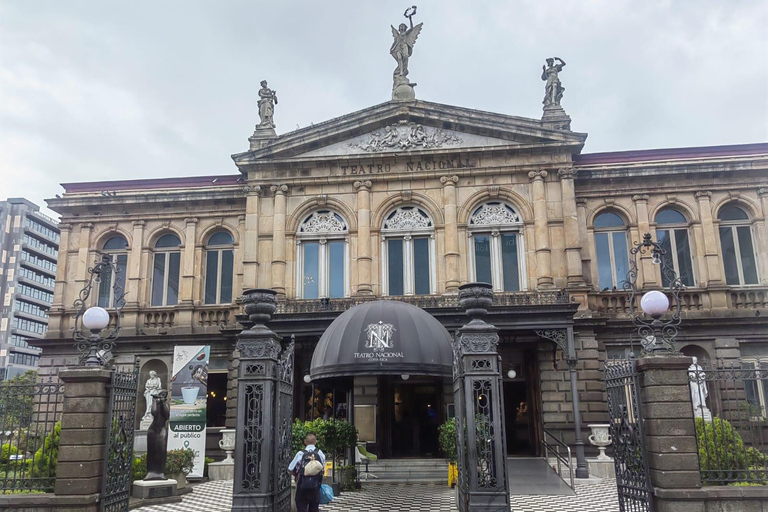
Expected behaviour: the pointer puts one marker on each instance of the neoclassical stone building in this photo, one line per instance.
(408, 200)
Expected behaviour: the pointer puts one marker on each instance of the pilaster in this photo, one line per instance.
(541, 229)
(278, 239)
(573, 243)
(452, 281)
(251, 237)
(61, 268)
(364, 254)
(188, 262)
(647, 272)
(762, 235)
(133, 298)
(711, 253)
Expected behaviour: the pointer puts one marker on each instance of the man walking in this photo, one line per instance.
(307, 468)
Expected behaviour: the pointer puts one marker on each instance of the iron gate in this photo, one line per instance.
(626, 429)
(118, 459)
(462, 484)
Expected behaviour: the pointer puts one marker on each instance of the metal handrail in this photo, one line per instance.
(558, 456)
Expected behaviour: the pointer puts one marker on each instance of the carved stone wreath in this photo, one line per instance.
(406, 137)
(408, 217)
(494, 214)
(323, 222)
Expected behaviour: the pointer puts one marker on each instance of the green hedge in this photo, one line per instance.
(178, 461)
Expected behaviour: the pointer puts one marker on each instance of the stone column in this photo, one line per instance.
(264, 412)
(571, 226)
(133, 279)
(541, 229)
(711, 254)
(647, 272)
(452, 279)
(762, 235)
(188, 262)
(278, 239)
(478, 395)
(251, 238)
(84, 424)
(364, 254)
(670, 433)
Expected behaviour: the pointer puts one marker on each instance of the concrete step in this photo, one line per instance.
(408, 471)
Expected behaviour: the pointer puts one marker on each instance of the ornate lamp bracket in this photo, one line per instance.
(558, 336)
(657, 333)
(95, 349)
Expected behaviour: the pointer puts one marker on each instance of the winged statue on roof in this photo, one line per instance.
(402, 46)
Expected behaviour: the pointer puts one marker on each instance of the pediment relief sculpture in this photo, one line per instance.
(406, 137)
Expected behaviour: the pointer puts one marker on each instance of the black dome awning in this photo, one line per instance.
(384, 337)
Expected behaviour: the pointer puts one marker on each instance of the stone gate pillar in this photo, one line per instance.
(479, 401)
(264, 412)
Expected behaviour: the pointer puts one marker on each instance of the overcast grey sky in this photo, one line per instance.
(119, 90)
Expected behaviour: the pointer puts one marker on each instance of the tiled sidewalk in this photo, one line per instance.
(593, 497)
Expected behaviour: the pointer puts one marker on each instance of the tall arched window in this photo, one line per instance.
(408, 252)
(219, 268)
(672, 234)
(322, 256)
(611, 249)
(736, 243)
(496, 246)
(165, 271)
(117, 249)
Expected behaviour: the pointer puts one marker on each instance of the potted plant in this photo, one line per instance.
(447, 439)
(179, 464)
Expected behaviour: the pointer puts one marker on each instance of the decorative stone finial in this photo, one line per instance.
(476, 298)
(260, 305)
(401, 50)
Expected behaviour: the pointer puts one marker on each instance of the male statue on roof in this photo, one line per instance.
(401, 50)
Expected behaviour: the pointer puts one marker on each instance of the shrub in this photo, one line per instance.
(47, 456)
(447, 439)
(6, 451)
(721, 451)
(179, 461)
(139, 467)
(206, 461)
(348, 476)
(299, 432)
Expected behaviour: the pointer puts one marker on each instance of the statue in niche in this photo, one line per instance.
(554, 89)
(402, 46)
(151, 388)
(157, 437)
(699, 392)
(267, 102)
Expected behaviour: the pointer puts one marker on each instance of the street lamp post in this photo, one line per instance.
(95, 349)
(657, 334)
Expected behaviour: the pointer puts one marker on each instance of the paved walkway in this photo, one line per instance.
(592, 497)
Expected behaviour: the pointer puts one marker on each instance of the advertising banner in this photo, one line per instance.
(189, 391)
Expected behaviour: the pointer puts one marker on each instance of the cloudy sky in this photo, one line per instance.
(119, 90)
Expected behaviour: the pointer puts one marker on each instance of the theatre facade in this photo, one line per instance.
(405, 201)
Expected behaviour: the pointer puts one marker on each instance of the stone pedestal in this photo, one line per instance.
(555, 117)
(601, 468)
(221, 470)
(402, 90)
(261, 137)
(151, 489)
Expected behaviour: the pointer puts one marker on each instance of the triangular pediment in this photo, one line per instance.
(408, 127)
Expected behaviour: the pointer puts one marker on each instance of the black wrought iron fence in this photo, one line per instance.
(30, 411)
(730, 408)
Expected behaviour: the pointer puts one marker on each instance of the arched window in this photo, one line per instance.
(117, 249)
(611, 249)
(672, 234)
(322, 256)
(165, 271)
(219, 268)
(496, 246)
(736, 243)
(408, 252)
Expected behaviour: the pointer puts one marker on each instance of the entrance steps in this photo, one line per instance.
(411, 471)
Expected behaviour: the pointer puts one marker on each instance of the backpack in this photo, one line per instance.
(310, 472)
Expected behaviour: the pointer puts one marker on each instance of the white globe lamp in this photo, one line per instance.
(307, 379)
(511, 374)
(405, 377)
(654, 303)
(95, 319)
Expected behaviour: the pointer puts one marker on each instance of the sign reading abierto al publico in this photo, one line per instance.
(189, 391)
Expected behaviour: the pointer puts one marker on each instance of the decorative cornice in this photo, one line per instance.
(703, 193)
(640, 197)
(537, 175)
(449, 180)
(279, 189)
(367, 184)
(567, 173)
